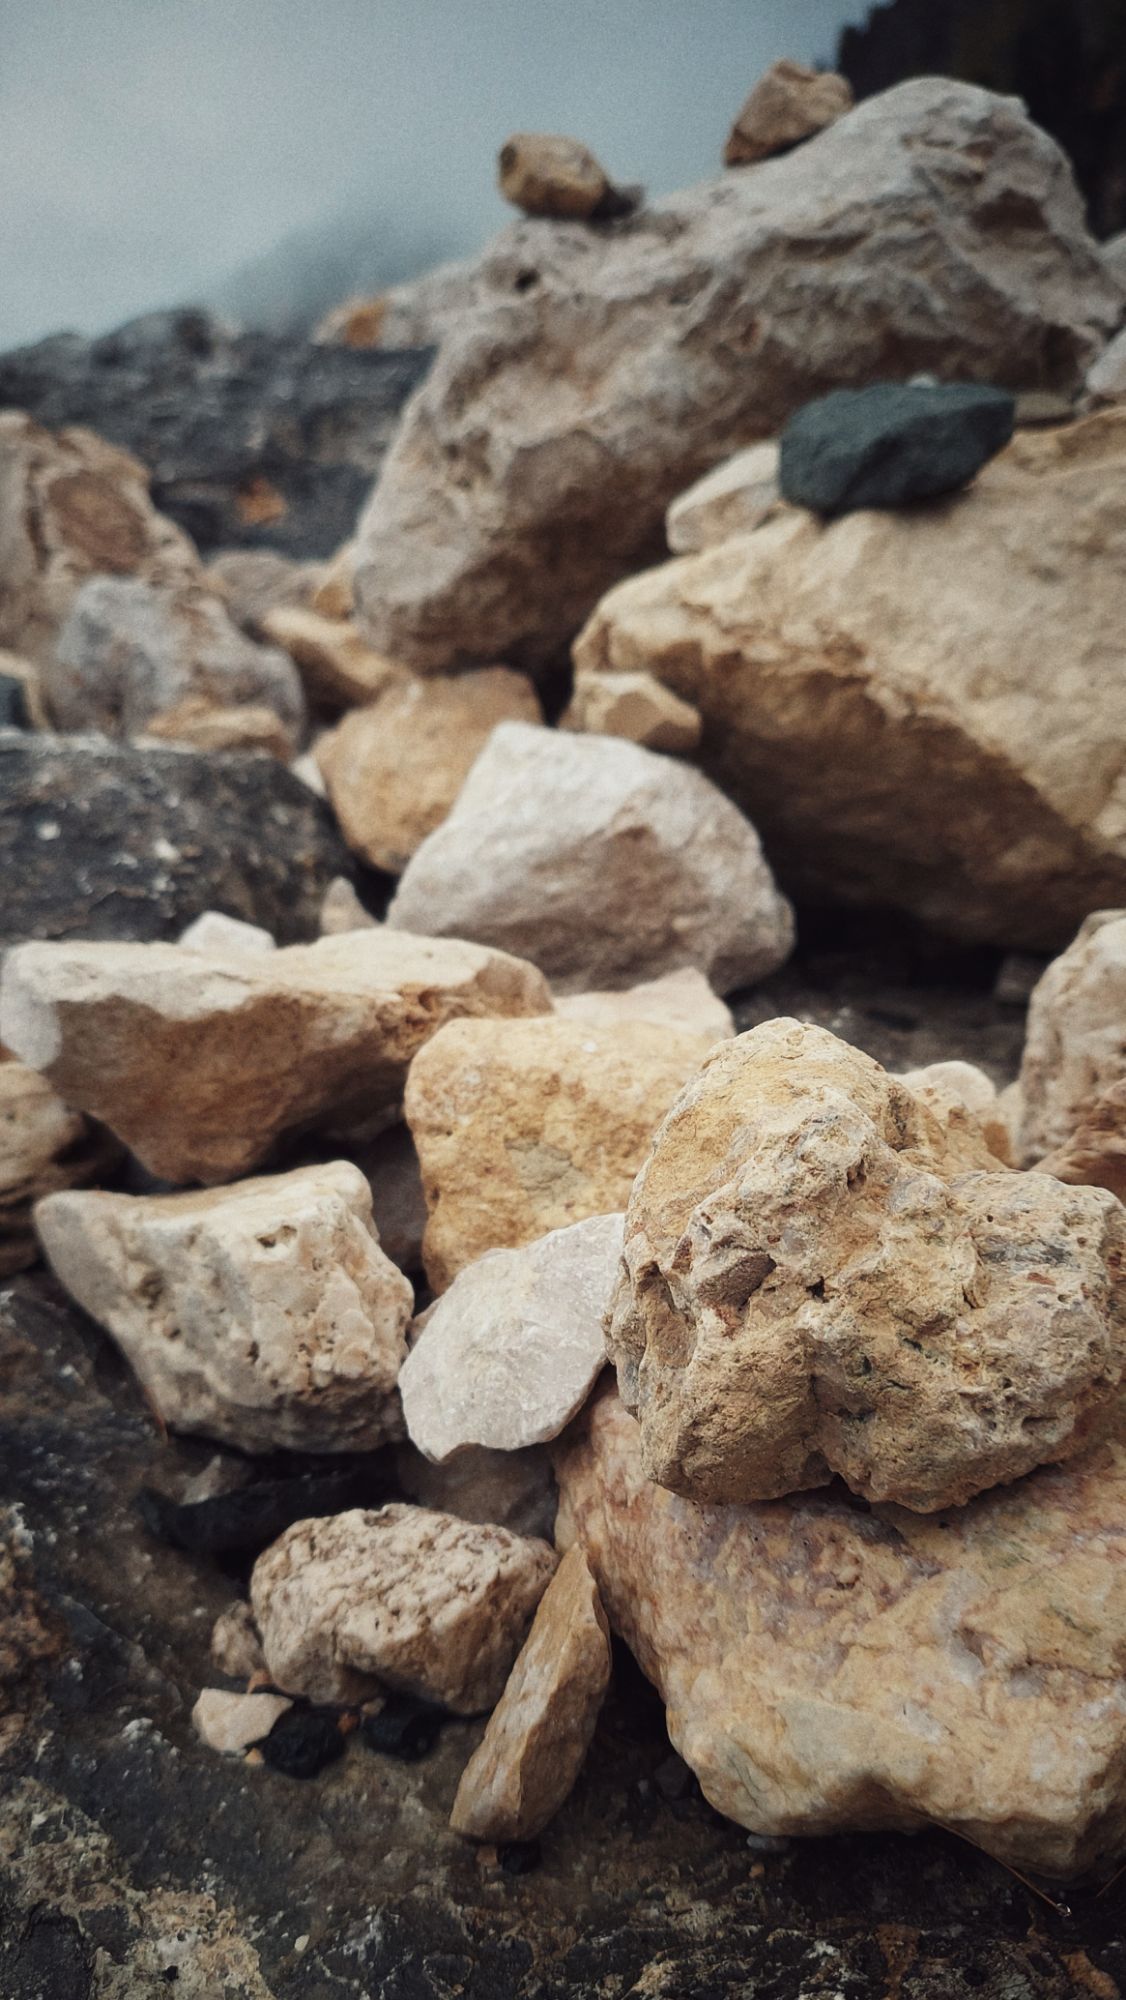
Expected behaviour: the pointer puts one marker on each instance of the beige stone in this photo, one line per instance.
(681, 999)
(1095, 1153)
(202, 1064)
(334, 596)
(530, 1127)
(1075, 1044)
(547, 174)
(538, 1735)
(510, 1489)
(43, 1145)
(236, 1649)
(335, 662)
(788, 104)
(818, 1279)
(634, 706)
(230, 1723)
(342, 910)
(962, 1097)
(731, 500)
(419, 1601)
(215, 931)
(200, 724)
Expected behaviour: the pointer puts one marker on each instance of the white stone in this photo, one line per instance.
(1106, 377)
(681, 999)
(230, 1722)
(214, 931)
(732, 500)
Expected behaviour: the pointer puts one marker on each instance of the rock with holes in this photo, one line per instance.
(788, 104)
(1075, 1041)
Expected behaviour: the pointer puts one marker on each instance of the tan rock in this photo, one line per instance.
(510, 1489)
(394, 768)
(538, 1735)
(252, 582)
(307, 769)
(964, 1099)
(334, 597)
(335, 662)
(204, 727)
(342, 910)
(14, 667)
(813, 1283)
(236, 1648)
(529, 1128)
(214, 931)
(356, 322)
(788, 104)
(1074, 1048)
(1095, 1154)
(634, 706)
(230, 1723)
(732, 500)
(422, 1602)
(547, 174)
(201, 1064)
(677, 1000)
(43, 1145)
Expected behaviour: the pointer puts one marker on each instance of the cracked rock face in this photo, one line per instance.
(1075, 1041)
(818, 1278)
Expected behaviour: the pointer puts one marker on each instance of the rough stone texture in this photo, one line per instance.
(963, 1097)
(1095, 1154)
(826, 1668)
(634, 706)
(1075, 1043)
(197, 725)
(236, 1649)
(788, 104)
(335, 662)
(891, 443)
(230, 1723)
(546, 174)
(252, 582)
(540, 1731)
(676, 1000)
(818, 1279)
(510, 1353)
(587, 377)
(104, 840)
(1106, 377)
(43, 1145)
(421, 1602)
(201, 1065)
(529, 1128)
(215, 932)
(924, 709)
(394, 768)
(601, 862)
(511, 1489)
(732, 500)
(264, 1315)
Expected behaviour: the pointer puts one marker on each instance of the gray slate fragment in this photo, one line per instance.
(891, 443)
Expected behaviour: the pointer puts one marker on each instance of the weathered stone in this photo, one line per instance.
(933, 227)
(530, 1128)
(601, 862)
(962, 1097)
(634, 706)
(43, 1145)
(334, 597)
(230, 1723)
(818, 1278)
(788, 104)
(510, 1489)
(1106, 377)
(827, 1669)
(252, 582)
(422, 1602)
(538, 1735)
(265, 1315)
(198, 725)
(236, 1649)
(922, 709)
(201, 1065)
(677, 1000)
(546, 174)
(342, 910)
(507, 1356)
(732, 500)
(394, 768)
(335, 662)
(891, 443)
(1074, 1050)
(1095, 1154)
(213, 931)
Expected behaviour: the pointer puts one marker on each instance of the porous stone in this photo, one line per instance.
(265, 1315)
(601, 862)
(547, 174)
(339, 669)
(820, 1279)
(676, 1000)
(538, 1735)
(236, 1649)
(961, 1096)
(788, 104)
(511, 1351)
(732, 500)
(421, 1602)
(510, 1489)
(230, 1723)
(1074, 1048)
(214, 931)
(43, 1145)
(891, 443)
(634, 706)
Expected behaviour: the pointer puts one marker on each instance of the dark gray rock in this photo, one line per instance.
(891, 443)
(13, 703)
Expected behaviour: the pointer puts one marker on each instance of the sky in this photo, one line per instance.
(156, 151)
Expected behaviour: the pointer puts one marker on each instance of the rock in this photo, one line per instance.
(1073, 1049)
(677, 1000)
(43, 1145)
(109, 840)
(390, 1166)
(788, 104)
(891, 443)
(603, 863)
(22, 696)
(202, 1064)
(609, 369)
(230, 1723)
(252, 582)
(818, 1279)
(236, 1649)
(538, 1735)
(964, 1099)
(510, 1489)
(831, 1670)
(394, 768)
(1095, 1153)
(305, 768)
(214, 932)
(342, 910)
(334, 597)
(422, 1602)
(336, 664)
(546, 174)
(634, 706)
(355, 322)
(197, 725)
(265, 1315)
(732, 500)
(510, 1353)
(1106, 377)
(973, 642)
(528, 1129)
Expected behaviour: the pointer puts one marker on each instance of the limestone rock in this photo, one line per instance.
(236, 1648)
(213, 931)
(335, 662)
(510, 1489)
(342, 910)
(1106, 377)
(230, 1723)
(252, 582)
(676, 1000)
(265, 1315)
(609, 369)
(1074, 1049)
(818, 1278)
(891, 443)
(964, 1098)
(512, 1350)
(334, 596)
(547, 174)
(829, 1670)
(1095, 1154)
(634, 706)
(540, 1731)
(394, 768)
(922, 709)
(43, 1145)
(422, 1602)
(732, 500)
(788, 104)
(201, 1064)
(199, 725)
(527, 1128)
(601, 862)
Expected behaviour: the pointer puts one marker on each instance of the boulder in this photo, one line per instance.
(676, 1000)
(934, 228)
(922, 709)
(546, 174)
(538, 1735)
(603, 863)
(43, 1145)
(819, 1279)
(511, 1489)
(1073, 1049)
(337, 666)
(230, 1723)
(634, 706)
(426, 1604)
(788, 104)
(732, 500)
(891, 443)
(201, 1065)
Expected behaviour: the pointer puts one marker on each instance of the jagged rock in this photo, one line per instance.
(230, 1723)
(236, 1649)
(394, 769)
(252, 582)
(265, 1315)
(215, 932)
(547, 174)
(818, 1278)
(732, 500)
(201, 1064)
(511, 1489)
(933, 227)
(424, 1603)
(789, 103)
(342, 910)
(1106, 378)
(529, 1129)
(603, 863)
(677, 1000)
(337, 666)
(1073, 1049)
(197, 725)
(538, 1735)
(512, 1350)
(634, 706)
(891, 443)
(43, 1145)
(973, 642)
(961, 1096)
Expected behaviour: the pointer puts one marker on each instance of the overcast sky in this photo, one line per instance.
(152, 148)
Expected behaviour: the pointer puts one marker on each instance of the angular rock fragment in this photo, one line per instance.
(510, 1489)
(43, 1145)
(1074, 1048)
(334, 597)
(252, 582)
(546, 174)
(676, 1000)
(214, 931)
(335, 662)
(732, 500)
(230, 1722)
(342, 910)
(891, 443)
(788, 104)
(634, 706)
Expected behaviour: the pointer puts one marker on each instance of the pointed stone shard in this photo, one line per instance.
(789, 103)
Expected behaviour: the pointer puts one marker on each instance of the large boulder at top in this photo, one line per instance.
(891, 443)
(922, 709)
(587, 377)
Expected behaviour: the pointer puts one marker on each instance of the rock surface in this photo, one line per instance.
(546, 174)
(818, 1278)
(540, 1731)
(788, 104)
(891, 443)
(961, 1096)
(230, 1723)
(634, 706)
(1106, 378)
(675, 1000)
(253, 582)
(338, 667)
(1074, 1049)
(197, 725)
(510, 1489)
(213, 931)
(732, 500)
(1095, 1153)
(43, 1145)
(421, 1602)
(601, 862)
(236, 1649)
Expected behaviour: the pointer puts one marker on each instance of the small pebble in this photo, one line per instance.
(302, 1742)
(404, 1727)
